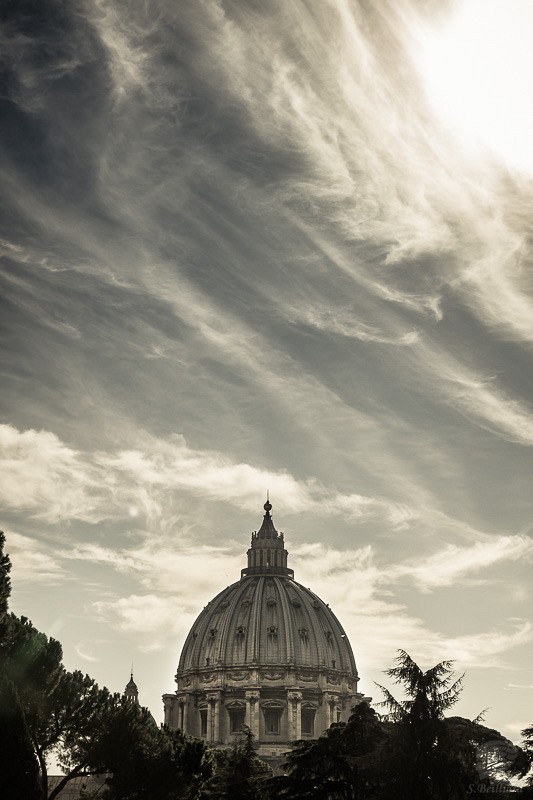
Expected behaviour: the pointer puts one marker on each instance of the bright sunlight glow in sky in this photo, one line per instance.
(477, 65)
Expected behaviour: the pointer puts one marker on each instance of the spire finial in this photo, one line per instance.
(268, 504)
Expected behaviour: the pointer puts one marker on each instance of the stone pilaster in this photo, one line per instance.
(294, 704)
(252, 712)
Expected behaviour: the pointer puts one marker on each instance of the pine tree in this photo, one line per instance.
(427, 761)
(239, 772)
(19, 770)
(345, 763)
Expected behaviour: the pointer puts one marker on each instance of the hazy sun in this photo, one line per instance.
(478, 71)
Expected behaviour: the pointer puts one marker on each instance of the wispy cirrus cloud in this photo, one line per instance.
(361, 589)
(33, 561)
(53, 481)
(455, 563)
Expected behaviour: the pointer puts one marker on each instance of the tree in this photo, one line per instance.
(342, 764)
(59, 707)
(19, 770)
(527, 749)
(239, 774)
(428, 760)
(45, 710)
(5, 583)
(150, 763)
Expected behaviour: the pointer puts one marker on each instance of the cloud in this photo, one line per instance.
(126, 60)
(81, 649)
(362, 594)
(42, 474)
(518, 727)
(151, 618)
(455, 563)
(519, 686)
(491, 408)
(344, 321)
(167, 569)
(33, 562)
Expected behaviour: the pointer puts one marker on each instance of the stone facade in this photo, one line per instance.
(266, 653)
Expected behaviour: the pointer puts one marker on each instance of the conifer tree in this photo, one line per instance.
(427, 761)
(19, 770)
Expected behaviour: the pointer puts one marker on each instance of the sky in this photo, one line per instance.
(278, 245)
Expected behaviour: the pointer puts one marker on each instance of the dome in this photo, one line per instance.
(268, 620)
(266, 652)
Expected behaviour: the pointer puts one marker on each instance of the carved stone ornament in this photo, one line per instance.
(269, 675)
(335, 679)
(307, 676)
(238, 676)
(294, 697)
(209, 677)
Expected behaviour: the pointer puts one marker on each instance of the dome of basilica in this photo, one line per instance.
(266, 652)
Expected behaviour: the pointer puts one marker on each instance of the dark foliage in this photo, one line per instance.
(19, 770)
(239, 774)
(342, 764)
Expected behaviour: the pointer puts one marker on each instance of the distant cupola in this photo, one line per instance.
(131, 692)
(267, 554)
